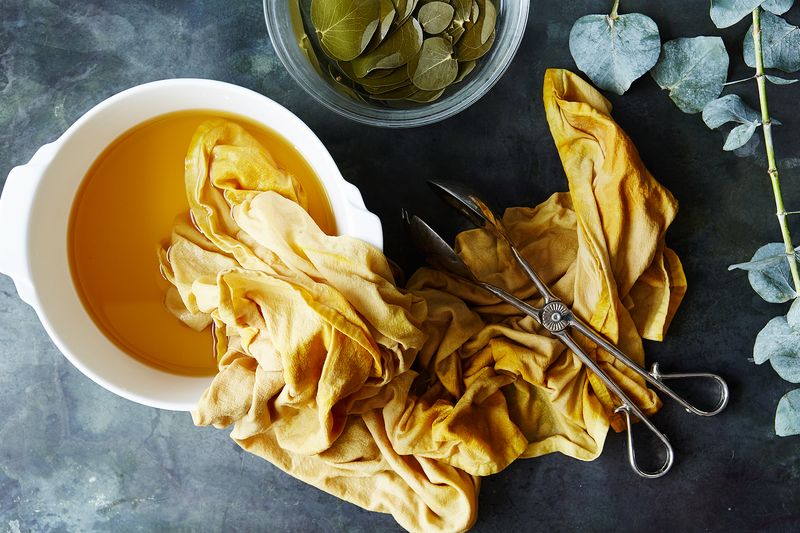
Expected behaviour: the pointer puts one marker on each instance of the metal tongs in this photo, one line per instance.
(554, 315)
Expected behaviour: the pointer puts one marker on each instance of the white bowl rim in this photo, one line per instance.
(24, 194)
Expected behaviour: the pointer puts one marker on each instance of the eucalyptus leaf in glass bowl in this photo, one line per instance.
(396, 63)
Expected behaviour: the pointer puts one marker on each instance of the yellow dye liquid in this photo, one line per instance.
(124, 211)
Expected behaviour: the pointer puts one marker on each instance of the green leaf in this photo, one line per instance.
(768, 276)
(694, 71)
(434, 68)
(404, 9)
(470, 49)
(463, 9)
(739, 136)
(780, 43)
(479, 37)
(464, 70)
(729, 108)
(726, 13)
(395, 51)
(780, 345)
(487, 19)
(397, 94)
(787, 416)
(397, 77)
(777, 80)
(387, 15)
(424, 97)
(345, 27)
(615, 52)
(382, 89)
(435, 17)
(779, 7)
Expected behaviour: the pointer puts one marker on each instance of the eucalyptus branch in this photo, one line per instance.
(615, 10)
(773, 168)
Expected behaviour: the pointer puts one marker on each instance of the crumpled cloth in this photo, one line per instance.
(399, 400)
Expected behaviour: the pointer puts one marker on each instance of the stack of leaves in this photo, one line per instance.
(400, 49)
(615, 50)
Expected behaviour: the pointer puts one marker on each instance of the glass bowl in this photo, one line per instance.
(511, 21)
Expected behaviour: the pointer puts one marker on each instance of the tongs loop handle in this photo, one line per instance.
(659, 378)
(670, 454)
(627, 407)
(655, 377)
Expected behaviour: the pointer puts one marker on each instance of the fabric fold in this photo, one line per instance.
(400, 399)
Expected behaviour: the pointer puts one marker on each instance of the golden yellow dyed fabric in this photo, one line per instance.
(399, 400)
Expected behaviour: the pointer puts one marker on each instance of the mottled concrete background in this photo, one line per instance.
(73, 457)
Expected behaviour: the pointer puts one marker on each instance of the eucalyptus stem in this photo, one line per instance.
(766, 124)
(614, 10)
(739, 81)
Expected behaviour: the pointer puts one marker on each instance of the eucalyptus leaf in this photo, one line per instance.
(387, 15)
(469, 50)
(729, 108)
(486, 19)
(464, 70)
(454, 33)
(395, 51)
(345, 27)
(787, 363)
(779, 7)
(424, 97)
(434, 68)
(693, 70)
(793, 316)
(378, 74)
(473, 45)
(780, 345)
(381, 89)
(739, 136)
(463, 9)
(726, 13)
(772, 280)
(777, 80)
(435, 17)
(396, 77)
(614, 52)
(787, 416)
(397, 94)
(310, 53)
(343, 85)
(404, 9)
(780, 44)
(761, 264)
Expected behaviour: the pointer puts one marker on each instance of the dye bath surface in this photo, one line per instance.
(124, 212)
(74, 457)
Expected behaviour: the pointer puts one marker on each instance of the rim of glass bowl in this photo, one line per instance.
(482, 80)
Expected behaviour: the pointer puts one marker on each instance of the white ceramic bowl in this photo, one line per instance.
(37, 199)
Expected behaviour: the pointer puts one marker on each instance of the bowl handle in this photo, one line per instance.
(16, 202)
(363, 224)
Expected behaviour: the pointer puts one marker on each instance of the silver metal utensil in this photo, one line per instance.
(556, 317)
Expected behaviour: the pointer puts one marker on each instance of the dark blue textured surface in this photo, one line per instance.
(73, 457)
